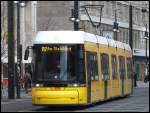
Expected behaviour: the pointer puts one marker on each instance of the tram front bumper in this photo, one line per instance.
(55, 97)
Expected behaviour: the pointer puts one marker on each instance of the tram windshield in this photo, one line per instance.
(58, 64)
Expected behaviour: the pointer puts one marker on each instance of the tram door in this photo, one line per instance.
(92, 73)
(122, 73)
(105, 72)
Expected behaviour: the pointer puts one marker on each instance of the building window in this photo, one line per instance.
(112, 10)
(142, 40)
(104, 14)
(119, 12)
(126, 14)
(124, 36)
(120, 35)
(92, 67)
(114, 66)
(105, 66)
(136, 39)
(107, 9)
(136, 14)
(127, 36)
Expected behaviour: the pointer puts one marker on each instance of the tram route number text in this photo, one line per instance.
(46, 49)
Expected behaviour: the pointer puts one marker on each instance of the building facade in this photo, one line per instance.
(54, 15)
(139, 18)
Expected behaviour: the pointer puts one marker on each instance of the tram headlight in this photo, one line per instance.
(73, 85)
(37, 85)
(76, 85)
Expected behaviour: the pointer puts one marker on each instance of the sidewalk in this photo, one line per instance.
(142, 84)
(23, 95)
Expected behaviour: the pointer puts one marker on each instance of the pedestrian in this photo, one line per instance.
(146, 78)
(1, 88)
(135, 78)
(146, 74)
(27, 81)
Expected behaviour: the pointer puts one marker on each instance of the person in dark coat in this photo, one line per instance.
(135, 78)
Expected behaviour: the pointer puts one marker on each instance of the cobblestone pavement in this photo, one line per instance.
(138, 102)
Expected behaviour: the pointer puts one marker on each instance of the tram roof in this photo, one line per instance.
(75, 37)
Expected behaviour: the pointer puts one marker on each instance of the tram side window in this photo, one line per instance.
(122, 67)
(80, 64)
(129, 67)
(114, 66)
(105, 66)
(92, 66)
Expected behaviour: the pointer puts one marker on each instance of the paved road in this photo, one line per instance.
(138, 102)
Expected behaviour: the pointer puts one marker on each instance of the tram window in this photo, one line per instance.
(105, 66)
(122, 66)
(114, 66)
(129, 67)
(92, 65)
(63, 63)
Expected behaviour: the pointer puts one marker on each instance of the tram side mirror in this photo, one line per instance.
(26, 54)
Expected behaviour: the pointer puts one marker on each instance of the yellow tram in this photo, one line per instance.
(79, 68)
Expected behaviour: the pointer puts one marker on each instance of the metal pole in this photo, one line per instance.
(18, 53)
(22, 32)
(76, 24)
(115, 32)
(100, 21)
(146, 45)
(130, 27)
(11, 63)
(131, 43)
(146, 50)
(146, 66)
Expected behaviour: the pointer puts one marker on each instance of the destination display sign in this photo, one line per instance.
(55, 48)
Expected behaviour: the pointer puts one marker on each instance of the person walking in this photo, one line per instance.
(1, 88)
(27, 81)
(135, 79)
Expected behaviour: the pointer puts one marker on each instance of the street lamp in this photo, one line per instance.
(115, 27)
(22, 3)
(146, 38)
(146, 33)
(74, 14)
(16, 2)
(73, 18)
(146, 64)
